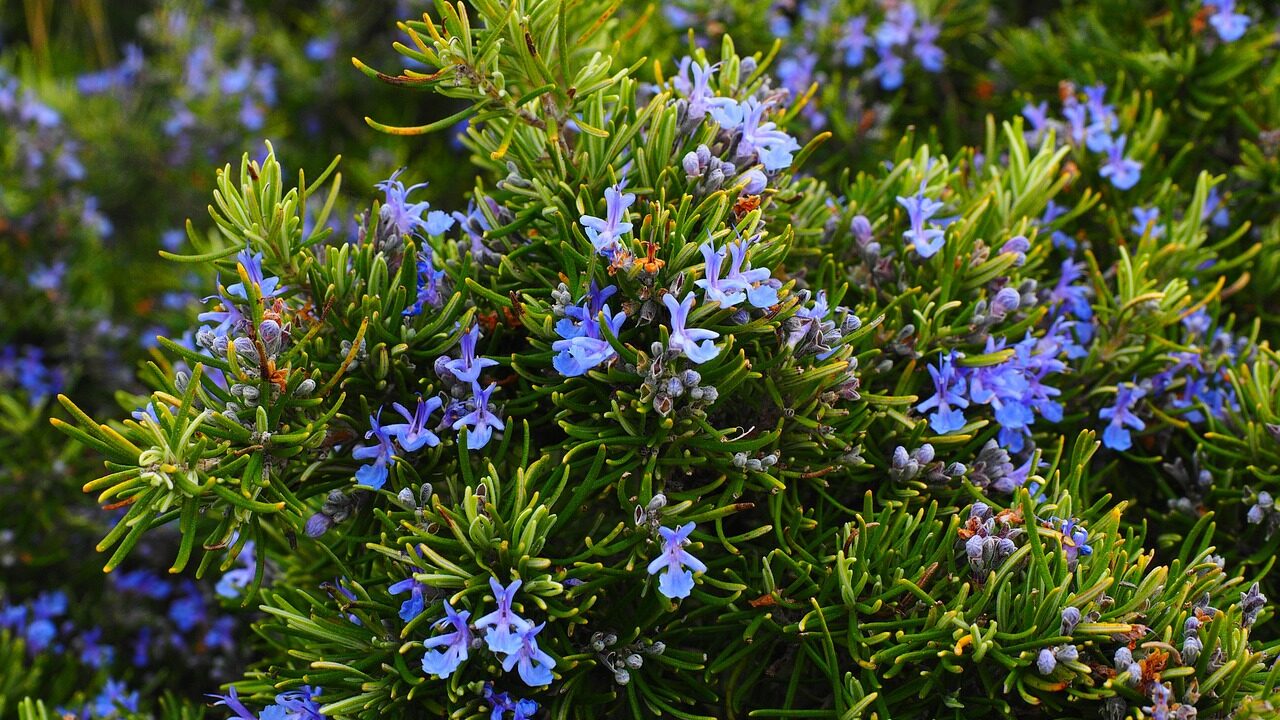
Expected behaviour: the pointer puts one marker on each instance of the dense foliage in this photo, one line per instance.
(845, 359)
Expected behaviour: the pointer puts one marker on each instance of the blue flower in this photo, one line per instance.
(1229, 24)
(1037, 116)
(889, 69)
(854, 41)
(1069, 296)
(40, 634)
(675, 563)
(606, 233)
(1123, 172)
(1075, 541)
(1215, 210)
(1077, 116)
(726, 292)
(771, 147)
(896, 29)
(502, 626)
(442, 663)
(467, 368)
(407, 218)
(299, 704)
(414, 434)
(48, 278)
(920, 209)
(92, 652)
(480, 423)
(189, 610)
(113, 698)
(926, 50)
(1053, 211)
(948, 398)
(411, 608)
(692, 80)
(226, 314)
(1146, 221)
(252, 264)
(232, 701)
(532, 663)
(382, 453)
(234, 581)
(583, 346)
(428, 285)
(1121, 418)
(50, 604)
(502, 703)
(685, 339)
(1102, 118)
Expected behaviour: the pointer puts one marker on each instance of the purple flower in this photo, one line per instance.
(762, 290)
(502, 626)
(412, 607)
(1077, 116)
(675, 563)
(920, 209)
(1123, 172)
(692, 80)
(685, 339)
(480, 423)
(228, 317)
(407, 217)
(442, 663)
(1229, 24)
(726, 292)
(1121, 417)
(468, 367)
(382, 453)
(531, 662)
(948, 397)
(414, 434)
(1045, 661)
(606, 233)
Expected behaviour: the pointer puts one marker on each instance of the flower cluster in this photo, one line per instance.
(300, 704)
(1015, 389)
(1090, 125)
(508, 635)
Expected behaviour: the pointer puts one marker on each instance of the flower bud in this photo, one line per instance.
(317, 525)
(861, 228)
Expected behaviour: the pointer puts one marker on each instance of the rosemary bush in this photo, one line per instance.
(845, 360)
